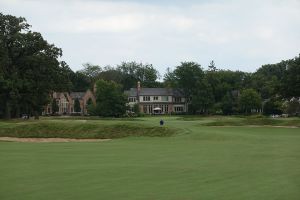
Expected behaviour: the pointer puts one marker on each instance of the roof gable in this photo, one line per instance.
(154, 92)
(77, 95)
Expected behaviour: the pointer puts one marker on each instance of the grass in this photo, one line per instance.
(80, 129)
(258, 120)
(200, 162)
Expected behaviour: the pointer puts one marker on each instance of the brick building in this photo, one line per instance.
(66, 101)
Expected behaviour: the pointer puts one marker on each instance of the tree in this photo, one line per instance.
(228, 104)
(91, 71)
(29, 69)
(266, 80)
(185, 77)
(291, 79)
(202, 98)
(133, 72)
(272, 106)
(212, 66)
(111, 102)
(80, 82)
(54, 106)
(293, 107)
(111, 74)
(249, 100)
(189, 77)
(91, 108)
(77, 107)
(136, 109)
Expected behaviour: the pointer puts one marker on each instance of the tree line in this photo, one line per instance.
(270, 89)
(30, 70)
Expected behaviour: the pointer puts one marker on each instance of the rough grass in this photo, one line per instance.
(79, 129)
(259, 121)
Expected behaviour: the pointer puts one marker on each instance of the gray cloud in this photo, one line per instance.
(236, 34)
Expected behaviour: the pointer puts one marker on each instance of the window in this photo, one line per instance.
(177, 99)
(166, 109)
(178, 109)
(146, 98)
(155, 98)
(165, 98)
(150, 109)
(132, 99)
(145, 109)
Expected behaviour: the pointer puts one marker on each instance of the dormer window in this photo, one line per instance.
(165, 98)
(146, 98)
(177, 99)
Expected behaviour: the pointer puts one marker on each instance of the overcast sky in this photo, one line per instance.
(236, 34)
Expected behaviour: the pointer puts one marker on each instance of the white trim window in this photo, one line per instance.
(177, 99)
(146, 98)
(178, 109)
(132, 99)
(165, 98)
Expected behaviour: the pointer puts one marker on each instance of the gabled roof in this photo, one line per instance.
(58, 95)
(77, 95)
(154, 92)
(132, 92)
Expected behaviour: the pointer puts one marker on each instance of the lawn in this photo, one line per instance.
(203, 158)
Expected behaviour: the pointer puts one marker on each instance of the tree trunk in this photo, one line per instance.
(36, 115)
(7, 110)
(18, 111)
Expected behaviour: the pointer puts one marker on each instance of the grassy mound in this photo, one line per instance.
(78, 129)
(254, 121)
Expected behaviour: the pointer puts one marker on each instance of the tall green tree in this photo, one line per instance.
(202, 98)
(189, 77)
(228, 104)
(293, 107)
(91, 71)
(111, 101)
(80, 82)
(273, 106)
(212, 66)
(132, 72)
(29, 67)
(291, 79)
(249, 100)
(111, 74)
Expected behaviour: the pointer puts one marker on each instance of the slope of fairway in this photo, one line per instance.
(200, 162)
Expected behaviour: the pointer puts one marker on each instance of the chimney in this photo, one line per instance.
(138, 91)
(138, 86)
(95, 88)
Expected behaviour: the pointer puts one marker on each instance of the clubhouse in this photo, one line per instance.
(157, 100)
